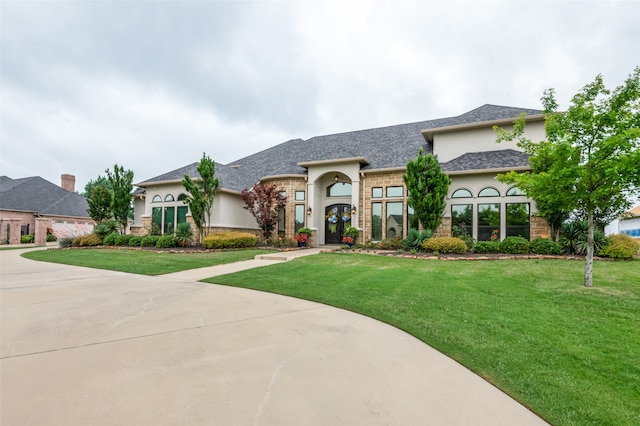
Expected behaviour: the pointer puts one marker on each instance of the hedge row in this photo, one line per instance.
(230, 240)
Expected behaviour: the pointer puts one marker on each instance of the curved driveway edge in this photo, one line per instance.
(87, 346)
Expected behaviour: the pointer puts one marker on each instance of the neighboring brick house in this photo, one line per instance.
(30, 206)
(357, 176)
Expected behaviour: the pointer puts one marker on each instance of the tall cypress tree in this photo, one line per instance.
(122, 184)
(201, 193)
(428, 186)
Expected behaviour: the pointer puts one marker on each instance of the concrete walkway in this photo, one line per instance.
(85, 346)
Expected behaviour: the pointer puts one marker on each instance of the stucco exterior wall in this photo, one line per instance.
(450, 145)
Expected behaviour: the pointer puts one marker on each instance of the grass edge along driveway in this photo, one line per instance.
(569, 353)
(141, 262)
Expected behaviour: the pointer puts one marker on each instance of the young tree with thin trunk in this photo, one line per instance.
(428, 186)
(121, 181)
(264, 202)
(591, 154)
(99, 202)
(202, 194)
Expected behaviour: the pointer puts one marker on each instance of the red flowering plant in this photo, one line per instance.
(302, 238)
(348, 240)
(495, 235)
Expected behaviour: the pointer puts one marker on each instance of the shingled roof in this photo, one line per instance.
(37, 195)
(383, 147)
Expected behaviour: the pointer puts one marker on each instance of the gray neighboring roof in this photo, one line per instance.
(500, 159)
(383, 147)
(35, 194)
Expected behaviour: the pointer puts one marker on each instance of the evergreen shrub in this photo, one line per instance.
(621, 246)
(232, 240)
(544, 246)
(149, 241)
(110, 239)
(135, 241)
(166, 241)
(123, 239)
(486, 247)
(445, 245)
(514, 245)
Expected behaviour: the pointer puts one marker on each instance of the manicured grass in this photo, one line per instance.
(569, 353)
(139, 261)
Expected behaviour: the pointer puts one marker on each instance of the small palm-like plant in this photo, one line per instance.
(184, 234)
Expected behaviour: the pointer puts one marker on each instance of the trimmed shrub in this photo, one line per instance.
(621, 246)
(445, 245)
(149, 241)
(65, 242)
(514, 245)
(282, 242)
(166, 241)
(232, 240)
(26, 239)
(110, 239)
(544, 246)
(487, 247)
(135, 241)
(51, 238)
(90, 240)
(123, 239)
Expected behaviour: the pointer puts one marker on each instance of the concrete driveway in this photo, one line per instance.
(81, 346)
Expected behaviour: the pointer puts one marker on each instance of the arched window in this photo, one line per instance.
(156, 199)
(169, 197)
(339, 189)
(182, 197)
(489, 192)
(514, 191)
(462, 193)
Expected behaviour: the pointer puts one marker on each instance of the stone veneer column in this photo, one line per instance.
(313, 239)
(42, 224)
(10, 231)
(539, 228)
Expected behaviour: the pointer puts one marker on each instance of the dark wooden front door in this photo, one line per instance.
(334, 225)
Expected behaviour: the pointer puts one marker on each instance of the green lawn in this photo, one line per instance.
(139, 261)
(569, 353)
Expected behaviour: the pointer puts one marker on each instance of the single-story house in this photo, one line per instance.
(630, 223)
(356, 178)
(33, 205)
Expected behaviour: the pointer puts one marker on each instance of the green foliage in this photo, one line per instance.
(201, 193)
(149, 240)
(463, 234)
(135, 241)
(574, 234)
(106, 227)
(514, 245)
(166, 241)
(26, 239)
(122, 184)
(621, 246)
(390, 244)
(99, 181)
(90, 240)
(428, 187)
(99, 202)
(414, 240)
(230, 240)
(110, 239)
(65, 242)
(445, 245)
(264, 202)
(351, 231)
(51, 238)
(487, 247)
(305, 230)
(184, 234)
(123, 239)
(589, 161)
(545, 246)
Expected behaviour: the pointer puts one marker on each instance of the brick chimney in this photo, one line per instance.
(68, 182)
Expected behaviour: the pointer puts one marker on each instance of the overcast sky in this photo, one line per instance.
(151, 85)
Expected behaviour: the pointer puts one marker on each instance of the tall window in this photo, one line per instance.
(488, 221)
(376, 221)
(462, 218)
(518, 220)
(299, 216)
(169, 220)
(282, 221)
(156, 220)
(394, 220)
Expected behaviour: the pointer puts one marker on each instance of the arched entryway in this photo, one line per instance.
(335, 222)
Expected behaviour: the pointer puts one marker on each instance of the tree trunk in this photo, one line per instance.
(588, 268)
